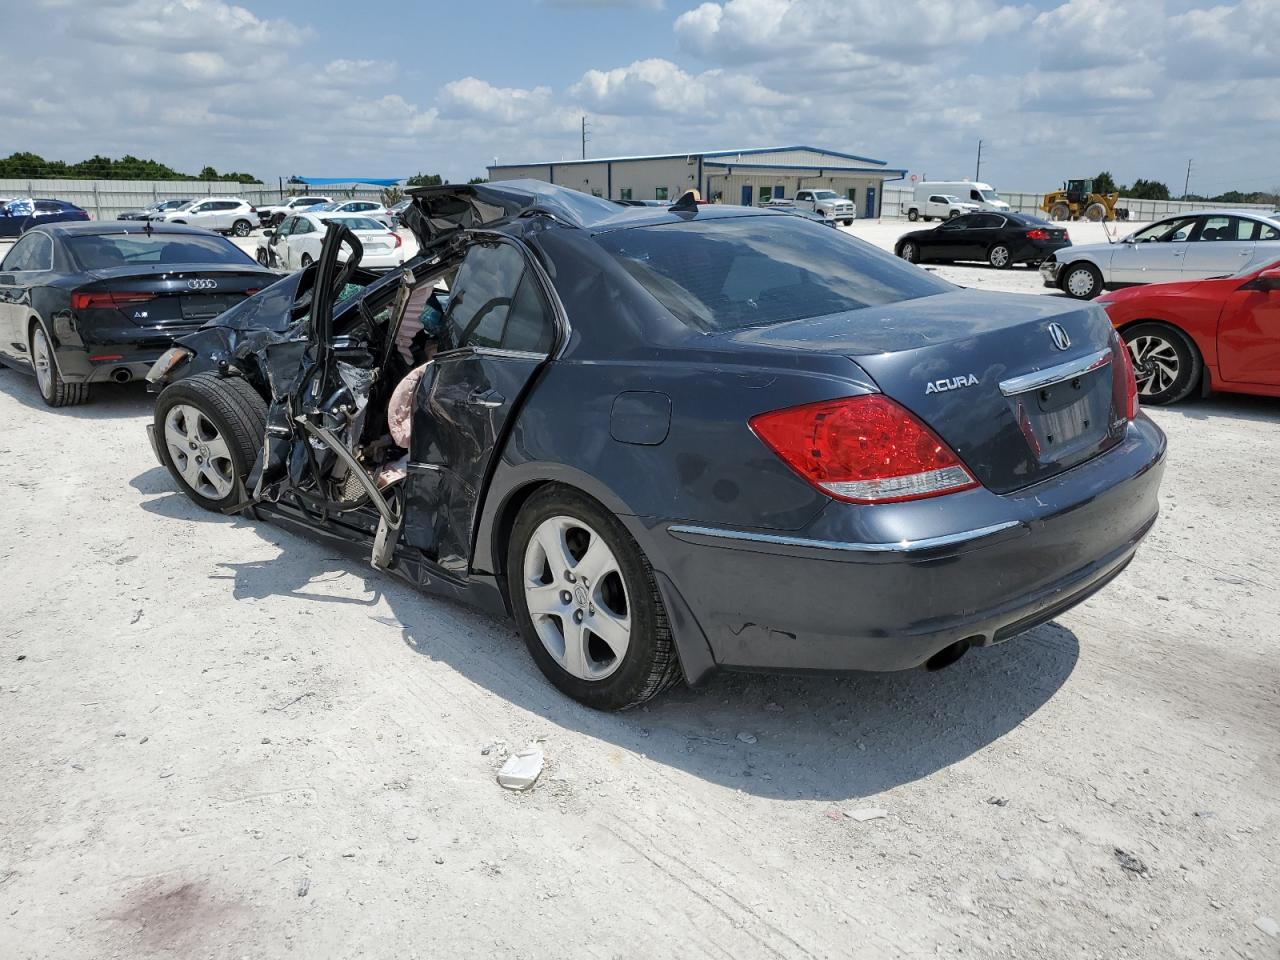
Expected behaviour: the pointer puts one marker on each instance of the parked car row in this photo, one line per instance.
(295, 243)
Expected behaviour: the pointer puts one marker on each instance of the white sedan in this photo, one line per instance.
(366, 208)
(296, 242)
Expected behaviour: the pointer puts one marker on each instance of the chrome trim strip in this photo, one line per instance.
(902, 546)
(1051, 375)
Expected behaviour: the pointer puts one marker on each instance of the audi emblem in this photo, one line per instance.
(202, 284)
(1059, 336)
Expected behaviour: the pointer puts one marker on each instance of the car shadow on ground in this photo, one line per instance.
(1235, 406)
(798, 737)
(108, 401)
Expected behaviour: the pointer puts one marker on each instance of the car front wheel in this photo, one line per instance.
(586, 602)
(262, 257)
(1166, 365)
(909, 252)
(210, 430)
(1082, 281)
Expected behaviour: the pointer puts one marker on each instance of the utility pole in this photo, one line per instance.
(1186, 184)
(977, 171)
(585, 138)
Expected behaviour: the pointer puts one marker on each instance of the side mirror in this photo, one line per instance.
(268, 233)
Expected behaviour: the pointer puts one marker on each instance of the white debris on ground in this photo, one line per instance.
(522, 769)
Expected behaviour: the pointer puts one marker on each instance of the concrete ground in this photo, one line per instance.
(221, 740)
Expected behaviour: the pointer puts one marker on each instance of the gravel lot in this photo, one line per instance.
(223, 740)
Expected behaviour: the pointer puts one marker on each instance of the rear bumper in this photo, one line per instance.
(106, 354)
(819, 599)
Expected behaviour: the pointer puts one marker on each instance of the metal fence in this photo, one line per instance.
(104, 199)
(896, 200)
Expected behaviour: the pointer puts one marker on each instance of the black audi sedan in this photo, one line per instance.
(81, 303)
(671, 440)
(1000, 239)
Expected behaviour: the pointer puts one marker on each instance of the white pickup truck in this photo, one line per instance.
(825, 203)
(944, 206)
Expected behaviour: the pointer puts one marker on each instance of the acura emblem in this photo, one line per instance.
(213, 285)
(1059, 336)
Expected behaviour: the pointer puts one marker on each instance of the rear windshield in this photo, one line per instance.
(753, 271)
(94, 252)
(356, 223)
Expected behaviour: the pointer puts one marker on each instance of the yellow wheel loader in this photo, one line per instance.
(1077, 201)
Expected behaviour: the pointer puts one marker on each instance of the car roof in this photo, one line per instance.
(1262, 215)
(520, 198)
(81, 228)
(335, 215)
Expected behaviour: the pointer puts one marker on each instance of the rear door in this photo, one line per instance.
(1224, 245)
(499, 329)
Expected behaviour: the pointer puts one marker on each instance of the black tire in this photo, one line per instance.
(306, 261)
(1000, 256)
(909, 251)
(952, 214)
(237, 412)
(1074, 284)
(261, 257)
(650, 664)
(242, 228)
(848, 223)
(1166, 363)
(54, 391)
(926, 219)
(913, 215)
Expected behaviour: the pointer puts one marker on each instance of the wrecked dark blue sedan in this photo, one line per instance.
(671, 440)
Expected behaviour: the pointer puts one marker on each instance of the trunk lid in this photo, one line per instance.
(185, 297)
(987, 373)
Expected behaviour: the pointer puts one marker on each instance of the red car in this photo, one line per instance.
(1202, 335)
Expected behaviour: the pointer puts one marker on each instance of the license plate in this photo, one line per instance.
(207, 306)
(1064, 414)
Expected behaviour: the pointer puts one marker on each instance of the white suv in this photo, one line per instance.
(274, 214)
(223, 214)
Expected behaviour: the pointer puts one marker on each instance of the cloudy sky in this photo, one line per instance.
(1055, 88)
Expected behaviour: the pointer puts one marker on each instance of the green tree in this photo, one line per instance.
(1104, 182)
(424, 180)
(1147, 190)
(477, 180)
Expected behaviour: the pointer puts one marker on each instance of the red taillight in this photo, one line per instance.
(863, 450)
(251, 291)
(1126, 392)
(108, 300)
(399, 241)
(1037, 234)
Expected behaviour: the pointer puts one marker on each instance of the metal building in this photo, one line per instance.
(745, 177)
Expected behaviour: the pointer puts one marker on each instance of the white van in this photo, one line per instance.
(971, 191)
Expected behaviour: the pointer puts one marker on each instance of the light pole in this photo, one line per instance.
(977, 171)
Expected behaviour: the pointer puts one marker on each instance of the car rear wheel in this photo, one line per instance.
(909, 252)
(1082, 281)
(999, 256)
(210, 430)
(241, 228)
(586, 602)
(913, 215)
(54, 391)
(1166, 364)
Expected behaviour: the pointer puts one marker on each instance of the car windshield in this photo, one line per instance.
(989, 195)
(826, 195)
(950, 199)
(356, 223)
(101, 252)
(320, 208)
(727, 274)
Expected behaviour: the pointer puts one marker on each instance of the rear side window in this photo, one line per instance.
(1268, 232)
(32, 252)
(729, 274)
(495, 302)
(48, 206)
(122, 250)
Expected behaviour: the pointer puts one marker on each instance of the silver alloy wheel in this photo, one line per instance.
(42, 359)
(1080, 282)
(1155, 364)
(999, 256)
(577, 598)
(199, 452)
(909, 252)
